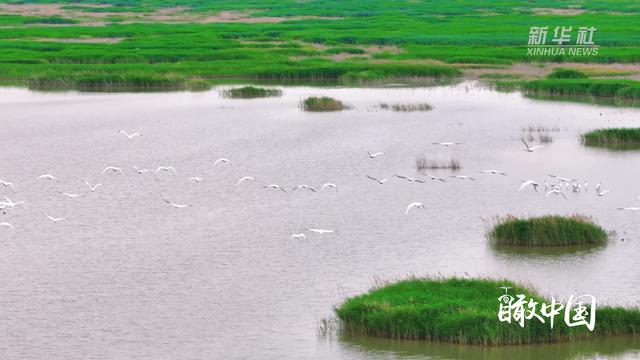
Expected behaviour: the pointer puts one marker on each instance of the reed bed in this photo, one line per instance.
(432, 164)
(406, 107)
(619, 138)
(250, 92)
(324, 103)
(465, 311)
(550, 230)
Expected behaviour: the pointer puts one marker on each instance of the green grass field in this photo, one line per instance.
(465, 311)
(134, 43)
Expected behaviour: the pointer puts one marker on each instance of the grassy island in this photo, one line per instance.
(620, 139)
(324, 103)
(465, 311)
(251, 92)
(550, 230)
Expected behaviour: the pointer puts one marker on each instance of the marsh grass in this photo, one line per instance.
(619, 139)
(406, 107)
(433, 164)
(250, 92)
(550, 230)
(324, 103)
(539, 133)
(464, 311)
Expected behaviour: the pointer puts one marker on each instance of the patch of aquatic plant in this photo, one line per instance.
(323, 103)
(625, 89)
(250, 92)
(406, 107)
(550, 230)
(567, 74)
(432, 164)
(465, 311)
(618, 138)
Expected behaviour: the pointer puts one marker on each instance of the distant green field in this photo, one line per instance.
(301, 40)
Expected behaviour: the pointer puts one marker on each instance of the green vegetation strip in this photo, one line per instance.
(621, 138)
(251, 92)
(324, 103)
(465, 311)
(551, 230)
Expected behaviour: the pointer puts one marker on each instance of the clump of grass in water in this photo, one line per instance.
(324, 103)
(621, 138)
(540, 133)
(465, 311)
(431, 164)
(250, 92)
(406, 107)
(550, 230)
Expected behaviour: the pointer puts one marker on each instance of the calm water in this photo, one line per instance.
(126, 276)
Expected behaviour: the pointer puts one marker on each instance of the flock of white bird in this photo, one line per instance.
(561, 186)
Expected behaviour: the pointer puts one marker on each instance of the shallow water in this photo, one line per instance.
(125, 275)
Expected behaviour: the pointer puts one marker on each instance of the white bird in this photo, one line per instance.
(222, 161)
(601, 192)
(531, 148)
(195, 179)
(380, 181)
(54, 219)
(303, 186)
(634, 209)
(178, 206)
(140, 171)
(274, 186)
(493, 172)
(10, 203)
(92, 188)
(417, 205)
(321, 231)
(70, 195)
(433, 177)
(446, 143)
(527, 183)
(329, 185)
(246, 178)
(462, 177)
(557, 192)
(6, 224)
(48, 177)
(130, 136)
(298, 236)
(114, 169)
(375, 154)
(7, 184)
(410, 179)
(166, 168)
(562, 179)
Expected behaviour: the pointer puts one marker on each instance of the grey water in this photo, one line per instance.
(127, 276)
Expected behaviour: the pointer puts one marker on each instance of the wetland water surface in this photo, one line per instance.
(126, 276)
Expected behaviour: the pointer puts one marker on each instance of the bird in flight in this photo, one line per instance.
(113, 169)
(196, 179)
(130, 136)
(433, 177)
(69, 195)
(526, 183)
(92, 188)
(166, 169)
(274, 186)
(321, 231)
(223, 161)
(246, 178)
(446, 144)
(531, 148)
(6, 224)
(634, 209)
(48, 177)
(140, 171)
(417, 205)
(7, 184)
(54, 219)
(409, 179)
(462, 177)
(298, 236)
(10, 203)
(375, 154)
(177, 206)
(380, 181)
(329, 185)
(601, 192)
(556, 192)
(494, 172)
(303, 186)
